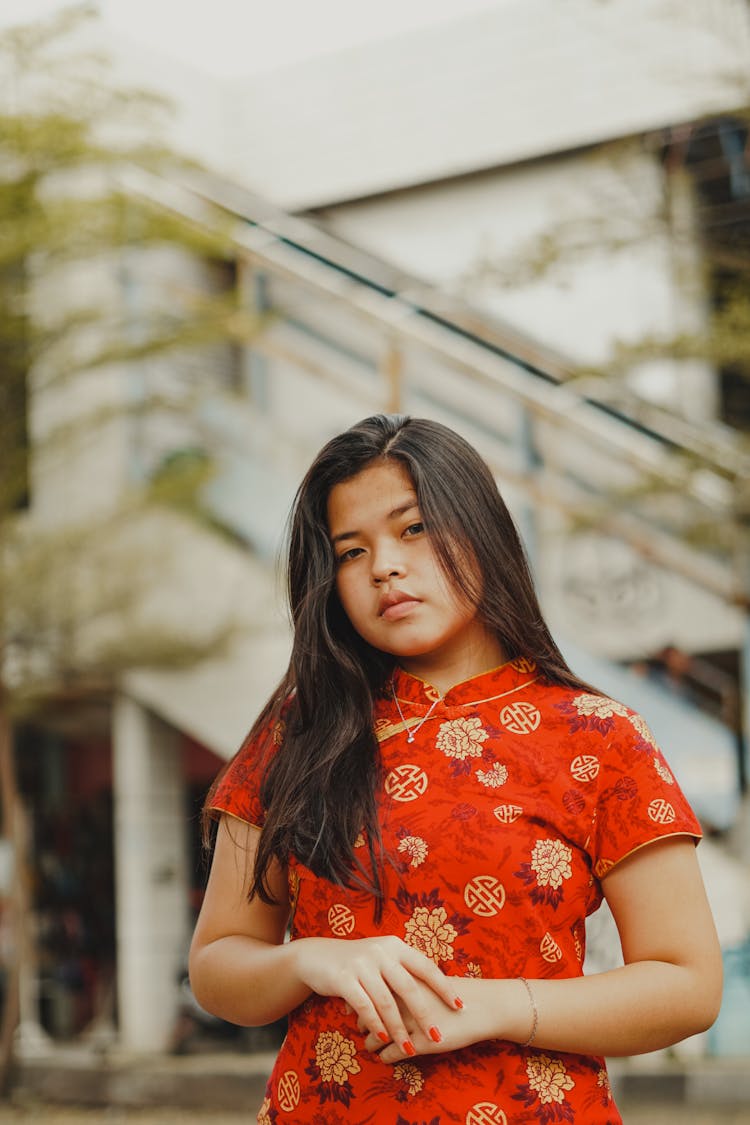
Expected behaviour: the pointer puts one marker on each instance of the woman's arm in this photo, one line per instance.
(242, 970)
(668, 989)
(236, 961)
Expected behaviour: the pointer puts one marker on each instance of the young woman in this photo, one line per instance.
(434, 803)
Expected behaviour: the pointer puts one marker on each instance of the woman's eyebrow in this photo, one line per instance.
(400, 511)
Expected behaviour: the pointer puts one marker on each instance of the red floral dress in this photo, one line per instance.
(513, 800)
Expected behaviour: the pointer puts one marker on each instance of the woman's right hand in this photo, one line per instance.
(368, 974)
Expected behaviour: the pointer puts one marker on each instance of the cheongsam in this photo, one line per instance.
(513, 800)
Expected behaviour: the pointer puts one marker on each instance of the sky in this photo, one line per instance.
(240, 37)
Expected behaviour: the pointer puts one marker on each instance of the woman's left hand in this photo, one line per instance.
(457, 1028)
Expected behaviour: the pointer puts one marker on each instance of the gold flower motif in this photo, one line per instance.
(472, 969)
(602, 1079)
(599, 706)
(431, 933)
(548, 1078)
(416, 849)
(263, 1114)
(495, 777)
(663, 772)
(550, 860)
(411, 1075)
(461, 738)
(641, 726)
(335, 1057)
(360, 841)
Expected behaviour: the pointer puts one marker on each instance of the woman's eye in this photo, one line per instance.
(414, 529)
(352, 553)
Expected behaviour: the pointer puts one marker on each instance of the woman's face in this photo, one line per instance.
(390, 583)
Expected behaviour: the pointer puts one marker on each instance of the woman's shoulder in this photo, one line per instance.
(237, 788)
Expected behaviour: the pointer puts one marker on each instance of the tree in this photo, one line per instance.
(703, 214)
(69, 228)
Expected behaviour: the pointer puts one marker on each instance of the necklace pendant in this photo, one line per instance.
(410, 737)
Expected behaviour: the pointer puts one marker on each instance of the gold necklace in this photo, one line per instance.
(411, 732)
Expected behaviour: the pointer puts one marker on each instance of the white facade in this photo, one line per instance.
(582, 253)
(449, 153)
(518, 81)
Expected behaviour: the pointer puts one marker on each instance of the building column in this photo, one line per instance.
(151, 874)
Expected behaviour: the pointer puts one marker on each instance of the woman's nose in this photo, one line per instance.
(386, 563)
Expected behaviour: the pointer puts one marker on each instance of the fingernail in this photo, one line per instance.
(408, 1048)
(458, 1002)
(435, 1035)
(383, 1037)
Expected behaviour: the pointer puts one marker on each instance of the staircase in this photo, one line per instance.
(342, 335)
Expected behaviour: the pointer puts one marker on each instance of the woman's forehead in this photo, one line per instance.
(380, 492)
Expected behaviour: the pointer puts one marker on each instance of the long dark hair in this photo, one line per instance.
(320, 785)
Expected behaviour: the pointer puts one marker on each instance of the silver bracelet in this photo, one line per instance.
(535, 1013)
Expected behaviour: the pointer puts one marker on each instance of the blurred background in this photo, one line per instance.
(228, 232)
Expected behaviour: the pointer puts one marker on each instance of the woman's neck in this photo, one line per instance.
(443, 670)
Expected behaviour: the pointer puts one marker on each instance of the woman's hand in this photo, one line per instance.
(382, 979)
(458, 1028)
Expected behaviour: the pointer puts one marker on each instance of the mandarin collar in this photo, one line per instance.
(485, 686)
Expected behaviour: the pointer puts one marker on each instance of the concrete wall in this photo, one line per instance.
(523, 79)
(583, 253)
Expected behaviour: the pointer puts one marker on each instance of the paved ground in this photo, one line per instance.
(47, 1115)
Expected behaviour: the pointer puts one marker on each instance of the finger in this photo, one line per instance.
(362, 1006)
(377, 1013)
(417, 1000)
(394, 1054)
(373, 1043)
(389, 1024)
(421, 967)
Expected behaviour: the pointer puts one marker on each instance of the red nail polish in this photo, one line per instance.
(408, 1048)
(435, 1035)
(458, 1003)
(383, 1037)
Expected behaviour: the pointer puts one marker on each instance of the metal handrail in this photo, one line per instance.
(707, 464)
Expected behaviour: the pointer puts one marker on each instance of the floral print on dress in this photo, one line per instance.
(428, 927)
(411, 1076)
(431, 933)
(548, 1084)
(461, 738)
(415, 848)
(592, 712)
(547, 870)
(409, 1121)
(663, 772)
(641, 726)
(528, 842)
(335, 1063)
(494, 777)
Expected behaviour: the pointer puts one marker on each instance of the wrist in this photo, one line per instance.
(531, 993)
(504, 1008)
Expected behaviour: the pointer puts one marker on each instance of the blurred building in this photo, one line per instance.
(470, 223)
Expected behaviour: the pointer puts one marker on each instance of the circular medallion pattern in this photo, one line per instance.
(341, 919)
(288, 1091)
(484, 895)
(406, 782)
(520, 717)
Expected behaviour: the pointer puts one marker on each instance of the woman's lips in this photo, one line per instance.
(399, 609)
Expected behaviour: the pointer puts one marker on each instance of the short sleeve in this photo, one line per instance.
(237, 789)
(639, 800)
